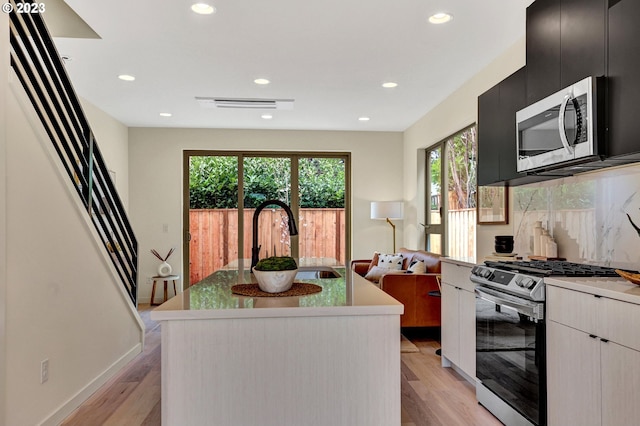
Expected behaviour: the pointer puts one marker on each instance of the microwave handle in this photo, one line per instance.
(563, 134)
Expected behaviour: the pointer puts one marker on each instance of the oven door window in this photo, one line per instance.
(510, 357)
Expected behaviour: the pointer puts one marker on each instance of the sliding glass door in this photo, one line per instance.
(223, 190)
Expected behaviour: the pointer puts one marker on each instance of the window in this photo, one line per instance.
(451, 193)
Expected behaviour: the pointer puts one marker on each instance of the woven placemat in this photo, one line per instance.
(297, 289)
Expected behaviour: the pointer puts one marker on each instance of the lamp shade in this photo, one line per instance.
(387, 210)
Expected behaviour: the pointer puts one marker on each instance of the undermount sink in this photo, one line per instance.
(316, 272)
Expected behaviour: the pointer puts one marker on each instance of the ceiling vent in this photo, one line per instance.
(245, 103)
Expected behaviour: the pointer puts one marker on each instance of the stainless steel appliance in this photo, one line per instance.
(561, 130)
(510, 336)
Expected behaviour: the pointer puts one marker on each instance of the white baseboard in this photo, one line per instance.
(75, 401)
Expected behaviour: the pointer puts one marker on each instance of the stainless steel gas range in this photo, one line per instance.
(510, 335)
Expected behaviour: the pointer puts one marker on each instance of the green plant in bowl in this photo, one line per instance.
(275, 274)
(276, 263)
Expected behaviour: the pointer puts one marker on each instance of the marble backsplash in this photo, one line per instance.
(586, 215)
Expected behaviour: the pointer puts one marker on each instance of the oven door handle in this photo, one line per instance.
(533, 310)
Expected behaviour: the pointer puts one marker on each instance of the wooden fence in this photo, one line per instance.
(461, 233)
(461, 241)
(214, 236)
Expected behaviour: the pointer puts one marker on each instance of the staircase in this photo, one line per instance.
(41, 72)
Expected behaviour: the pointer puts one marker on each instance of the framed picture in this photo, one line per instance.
(492, 205)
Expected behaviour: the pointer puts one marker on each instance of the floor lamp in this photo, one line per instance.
(387, 210)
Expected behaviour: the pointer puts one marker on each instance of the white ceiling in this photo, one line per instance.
(330, 56)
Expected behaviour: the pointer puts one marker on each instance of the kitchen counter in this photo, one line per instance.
(327, 358)
(212, 298)
(461, 261)
(614, 288)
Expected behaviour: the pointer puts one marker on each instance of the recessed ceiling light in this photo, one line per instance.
(267, 116)
(165, 114)
(364, 119)
(126, 77)
(203, 8)
(440, 18)
(261, 81)
(389, 85)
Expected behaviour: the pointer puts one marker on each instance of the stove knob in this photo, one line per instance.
(486, 273)
(527, 282)
(478, 271)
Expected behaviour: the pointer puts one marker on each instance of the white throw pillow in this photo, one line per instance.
(417, 267)
(376, 273)
(390, 261)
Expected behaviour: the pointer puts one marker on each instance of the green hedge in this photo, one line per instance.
(213, 182)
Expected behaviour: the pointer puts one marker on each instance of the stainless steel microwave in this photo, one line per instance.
(559, 130)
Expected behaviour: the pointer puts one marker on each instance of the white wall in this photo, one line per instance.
(4, 67)
(63, 300)
(155, 191)
(459, 110)
(113, 139)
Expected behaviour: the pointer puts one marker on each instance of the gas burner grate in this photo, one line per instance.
(557, 268)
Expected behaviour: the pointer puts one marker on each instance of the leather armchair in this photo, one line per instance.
(412, 290)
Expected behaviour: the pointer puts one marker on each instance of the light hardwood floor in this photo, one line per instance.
(431, 395)
(132, 397)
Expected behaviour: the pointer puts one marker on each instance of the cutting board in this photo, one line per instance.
(544, 258)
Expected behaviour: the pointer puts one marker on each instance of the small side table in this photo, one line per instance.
(166, 281)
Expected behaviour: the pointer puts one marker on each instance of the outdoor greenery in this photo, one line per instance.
(213, 182)
(462, 167)
(462, 160)
(322, 183)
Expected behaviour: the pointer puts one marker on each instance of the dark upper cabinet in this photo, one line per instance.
(566, 42)
(623, 77)
(489, 136)
(543, 49)
(512, 99)
(497, 129)
(583, 29)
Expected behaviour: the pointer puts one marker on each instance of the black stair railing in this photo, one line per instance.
(39, 68)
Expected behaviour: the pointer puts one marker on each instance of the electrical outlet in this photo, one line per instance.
(149, 280)
(44, 370)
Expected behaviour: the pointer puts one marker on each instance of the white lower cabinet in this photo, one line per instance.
(591, 378)
(458, 318)
(450, 329)
(620, 385)
(573, 377)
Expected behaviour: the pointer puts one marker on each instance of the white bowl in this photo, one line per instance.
(275, 281)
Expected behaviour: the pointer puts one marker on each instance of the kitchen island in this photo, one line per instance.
(329, 358)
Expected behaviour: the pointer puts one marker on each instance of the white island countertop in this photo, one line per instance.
(212, 298)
